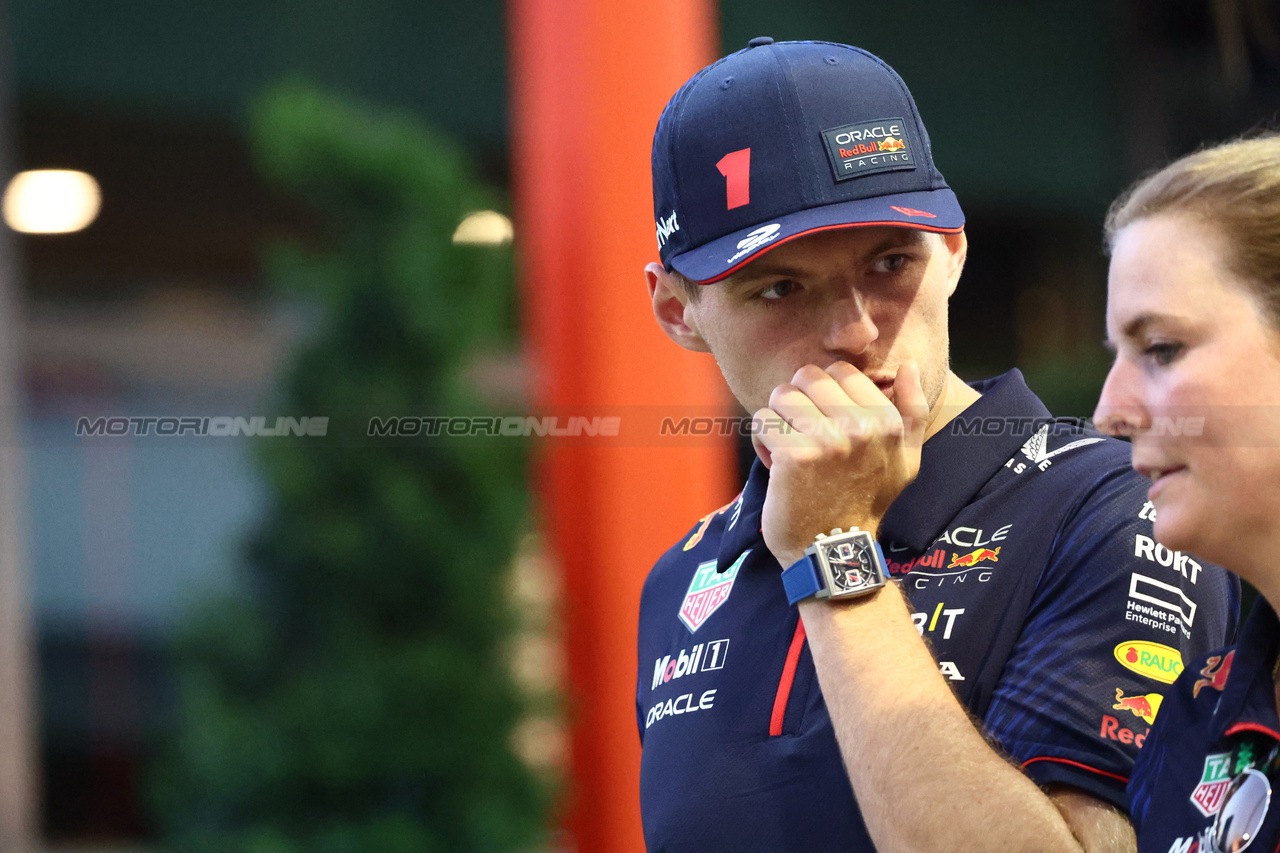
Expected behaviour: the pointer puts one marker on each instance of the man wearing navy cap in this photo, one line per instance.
(995, 696)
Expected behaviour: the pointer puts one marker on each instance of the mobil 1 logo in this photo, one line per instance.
(703, 657)
(869, 147)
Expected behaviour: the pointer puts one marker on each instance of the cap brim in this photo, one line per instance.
(931, 210)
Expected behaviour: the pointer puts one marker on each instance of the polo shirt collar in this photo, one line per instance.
(1248, 699)
(954, 465)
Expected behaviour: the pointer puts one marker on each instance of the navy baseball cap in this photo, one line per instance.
(786, 139)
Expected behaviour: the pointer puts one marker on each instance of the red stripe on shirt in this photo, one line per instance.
(1251, 727)
(788, 676)
(1124, 779)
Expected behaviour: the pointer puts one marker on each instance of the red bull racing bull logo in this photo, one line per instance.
(707, 591)
(892, 144)
(1144, 707)
(1214, 674)
(974, 557)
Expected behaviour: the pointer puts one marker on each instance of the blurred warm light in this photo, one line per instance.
(51, 201)
(484, 228)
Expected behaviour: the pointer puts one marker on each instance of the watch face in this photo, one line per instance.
(850, 565)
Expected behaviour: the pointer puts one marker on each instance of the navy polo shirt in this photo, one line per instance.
(1220, 714)
(1026, 550)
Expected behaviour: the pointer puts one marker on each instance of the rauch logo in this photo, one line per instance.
(1153, 660)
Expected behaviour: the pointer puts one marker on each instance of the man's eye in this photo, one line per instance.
(891, 263)
(778, 289)
(1162, 353)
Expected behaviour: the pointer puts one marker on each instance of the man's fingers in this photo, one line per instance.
(908, 396)
(794, 405)
(828, 396)
(771, 433)
(798, 407)
(757, 444)
(861, 390)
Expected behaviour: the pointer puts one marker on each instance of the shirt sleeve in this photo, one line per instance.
(1111, 621)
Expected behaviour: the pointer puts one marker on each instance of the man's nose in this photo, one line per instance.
(1120, 408)
(850, 325)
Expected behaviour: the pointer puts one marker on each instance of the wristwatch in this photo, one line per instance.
(844, 564)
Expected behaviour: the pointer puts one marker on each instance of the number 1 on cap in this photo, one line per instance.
(736, 168)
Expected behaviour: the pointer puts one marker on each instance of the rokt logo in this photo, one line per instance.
(921, 618)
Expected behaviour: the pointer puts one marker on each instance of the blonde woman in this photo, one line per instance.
(1193, 314)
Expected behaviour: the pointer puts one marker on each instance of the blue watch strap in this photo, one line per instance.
(801, 580)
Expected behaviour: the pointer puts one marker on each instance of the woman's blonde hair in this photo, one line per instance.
(1233, 188)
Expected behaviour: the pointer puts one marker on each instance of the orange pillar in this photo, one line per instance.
(589, 79)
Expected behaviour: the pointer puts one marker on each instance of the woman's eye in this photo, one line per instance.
(1163, 352)
(778, 289)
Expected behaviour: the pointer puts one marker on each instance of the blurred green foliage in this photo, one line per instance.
(357, 700)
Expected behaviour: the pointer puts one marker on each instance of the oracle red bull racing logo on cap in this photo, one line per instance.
(868, 147)
(708, 590)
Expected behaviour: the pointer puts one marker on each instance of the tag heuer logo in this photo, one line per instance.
(707, 591)
(1208, 795)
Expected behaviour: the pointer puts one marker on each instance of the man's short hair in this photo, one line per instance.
(691, 289)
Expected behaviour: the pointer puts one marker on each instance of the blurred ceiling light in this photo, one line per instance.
(51, 201)
(484, 228)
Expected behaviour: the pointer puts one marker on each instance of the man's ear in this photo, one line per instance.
(957, 250)
(672, 309)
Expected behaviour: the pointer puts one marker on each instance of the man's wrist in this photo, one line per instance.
(786, 558)
(841, 564)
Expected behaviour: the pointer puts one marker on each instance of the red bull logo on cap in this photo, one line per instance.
(974, 557)
(1144, 707)
(892, 144)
